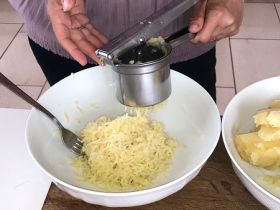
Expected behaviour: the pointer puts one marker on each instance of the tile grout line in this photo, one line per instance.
(21, 28)
(233, 74)
(27, 85)
(41, 90)
(22, 24)
(31, 85)
(224, 87)
(10, 43)
(276, 12)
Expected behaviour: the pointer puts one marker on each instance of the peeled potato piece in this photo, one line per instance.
(258, 152)
(257, 128)
(262, 147)
(274, 119)
(268, 117)
(275, 104)
(269, 133)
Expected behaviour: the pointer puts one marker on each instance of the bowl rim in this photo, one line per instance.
(226, 145)
(133, 193)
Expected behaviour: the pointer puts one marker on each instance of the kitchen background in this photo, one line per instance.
(252, 55)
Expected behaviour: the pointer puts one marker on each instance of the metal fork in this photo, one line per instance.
(72, 141)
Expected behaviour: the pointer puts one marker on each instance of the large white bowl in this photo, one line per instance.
(238, 119)
(191, 117)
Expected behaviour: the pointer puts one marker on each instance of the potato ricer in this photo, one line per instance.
(140, 65)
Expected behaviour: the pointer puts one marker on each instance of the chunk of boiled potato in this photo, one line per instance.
(268, 117)
(269, 133)
(258, 152)
(274, 119)
(275, 104)
(257, 128)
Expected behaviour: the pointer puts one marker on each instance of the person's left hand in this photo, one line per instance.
(214, 20)
(73, 30)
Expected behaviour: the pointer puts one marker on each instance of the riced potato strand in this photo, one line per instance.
(128, 153)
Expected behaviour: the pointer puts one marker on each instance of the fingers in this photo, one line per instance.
(197, 20)
(68, 4)
(88, 44)
(76, 42)
(77, 45)
(64, 39)
(79, 20)
(92, 39)
(222, 33)
(73, 50)
(221, 19)
(89, 39)
(82, 20)
(206, 33)
(97, 33)
(89, 50)
(65, 25)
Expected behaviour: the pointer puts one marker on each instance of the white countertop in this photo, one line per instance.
(22, 184)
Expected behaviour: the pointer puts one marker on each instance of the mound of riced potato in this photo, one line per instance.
(124, 154)
(262, 147)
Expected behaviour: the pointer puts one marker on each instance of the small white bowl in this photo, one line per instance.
(191, 117)
(238, 119)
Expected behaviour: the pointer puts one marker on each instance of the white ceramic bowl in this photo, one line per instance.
(238, 119)
(191, 117)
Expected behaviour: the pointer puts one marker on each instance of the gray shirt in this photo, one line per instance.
(110, 17)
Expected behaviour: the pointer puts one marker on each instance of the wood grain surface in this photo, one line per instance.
(215, 187)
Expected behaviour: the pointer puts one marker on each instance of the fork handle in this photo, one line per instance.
(12, 87)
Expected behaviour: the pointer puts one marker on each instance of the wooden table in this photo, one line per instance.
(215, 187)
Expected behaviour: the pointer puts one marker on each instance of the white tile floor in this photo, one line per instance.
(248, 57)
(8, 14)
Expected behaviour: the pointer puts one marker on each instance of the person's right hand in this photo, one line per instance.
(66, 17)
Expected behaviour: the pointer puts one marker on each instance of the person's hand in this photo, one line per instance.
(66, 17)
(214, 20)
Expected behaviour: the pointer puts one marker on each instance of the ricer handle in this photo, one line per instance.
(144, 30)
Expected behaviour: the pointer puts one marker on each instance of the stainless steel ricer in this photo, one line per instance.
(147, 81)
